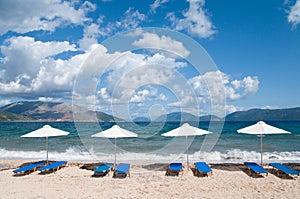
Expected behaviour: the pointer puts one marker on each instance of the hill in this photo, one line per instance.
(289, 114)
(58, 111)
(177, 116)
(206, 118)
(53, 111)
(8, 117)
(182, 116)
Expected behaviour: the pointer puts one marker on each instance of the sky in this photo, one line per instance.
(147, 58)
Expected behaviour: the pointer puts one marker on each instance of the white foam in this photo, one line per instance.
(231, 156)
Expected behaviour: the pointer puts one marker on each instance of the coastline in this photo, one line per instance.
(229, 180)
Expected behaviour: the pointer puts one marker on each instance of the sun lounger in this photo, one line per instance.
(282, 169)
(52, 167)
(201, 168)
(254, 168)
(29, 168)
(102, 170)
(122, 170)
(174, 169)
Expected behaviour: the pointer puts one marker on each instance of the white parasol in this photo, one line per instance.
(46, 131)
(186, 130)
(115, 132)
(261, 128)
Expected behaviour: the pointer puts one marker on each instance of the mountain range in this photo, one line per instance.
(51, 111)
(59, 111)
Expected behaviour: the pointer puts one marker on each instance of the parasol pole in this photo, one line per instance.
(261, 150)
(187, 152)
(115, 152)
(47, 148)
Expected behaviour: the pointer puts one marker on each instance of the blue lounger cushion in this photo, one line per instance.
(175, 166)
(103, 168)
(174, 169)
(53, 166)
(202, 167)
(122, 169)
(29, 167)
(256, 168)
(284, 169)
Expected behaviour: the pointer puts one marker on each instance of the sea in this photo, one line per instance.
(224, 145)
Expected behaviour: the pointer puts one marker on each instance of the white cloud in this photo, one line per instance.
(241, 88)
(215, 88)
(149, 94)
(140, 96)
(127, 69)
(196, 20)
(294, 14)
(30, 69)
(90, 36)
(232, 108)
(131, 19)
(233, 89)
(49, 99)
(157, 4)
(151, 40)
(4, 102)
(31, 15)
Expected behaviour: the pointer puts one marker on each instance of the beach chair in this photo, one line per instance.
(52, 167)
(282, 169)
(122, 170)
(174, 169)
(28, 168)
(102, 170)
(254, 168)
(201, 168)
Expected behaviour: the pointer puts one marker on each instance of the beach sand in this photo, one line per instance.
(146, 181)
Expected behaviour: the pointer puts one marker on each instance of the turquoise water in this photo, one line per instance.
(224, 146)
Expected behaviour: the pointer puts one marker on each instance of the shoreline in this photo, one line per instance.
(6, 164)
(229, 180)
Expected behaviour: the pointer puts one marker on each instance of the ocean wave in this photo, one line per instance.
(231, 156)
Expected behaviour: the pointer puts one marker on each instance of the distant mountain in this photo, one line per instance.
(182, 116)
(289, 114)
(54, 111)
(177, 116)
(206, 118)
(8, 117)
(58, 111)
(142, 119)
(103, 117)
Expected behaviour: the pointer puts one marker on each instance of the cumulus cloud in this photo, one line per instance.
(90, 36)
(206, 85)
(151, 40)
(5, 102)
(294, 14)
(232, 108)
(124, 76)
(49, 99)
(117, 75)
(195, 20)
(149, 94)
(31, 15)
(30, 69)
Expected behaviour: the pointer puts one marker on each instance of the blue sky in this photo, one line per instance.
(96, 54)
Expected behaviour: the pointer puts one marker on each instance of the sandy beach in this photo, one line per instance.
(146, 181)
